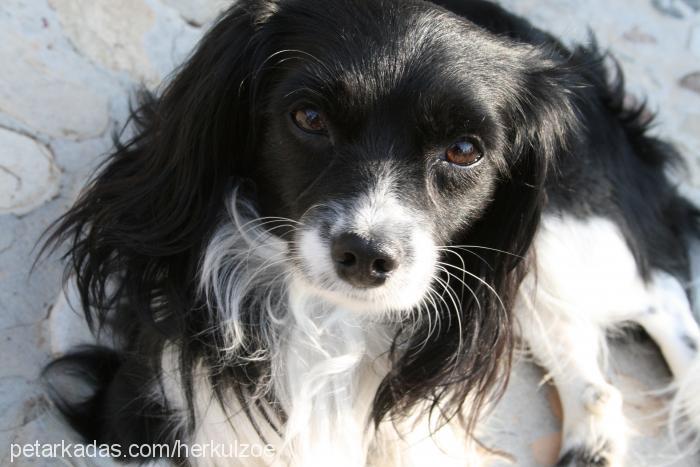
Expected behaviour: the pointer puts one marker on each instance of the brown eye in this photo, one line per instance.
(462, 152)
(309, 120)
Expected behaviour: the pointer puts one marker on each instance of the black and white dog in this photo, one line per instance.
(327, 229)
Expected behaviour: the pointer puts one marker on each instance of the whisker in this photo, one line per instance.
(488, 286)
(450, 250)
(482, 248)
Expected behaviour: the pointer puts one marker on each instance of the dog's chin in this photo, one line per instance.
(390, 299)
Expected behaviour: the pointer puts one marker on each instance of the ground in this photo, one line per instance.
(67, 68)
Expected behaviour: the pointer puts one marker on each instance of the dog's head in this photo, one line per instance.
(384, 141)
(405, 144)
(388, 131)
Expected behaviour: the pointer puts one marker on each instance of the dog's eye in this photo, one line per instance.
(463, 153)
(310, 121)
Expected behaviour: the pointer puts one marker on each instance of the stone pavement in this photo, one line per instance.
(66, 70)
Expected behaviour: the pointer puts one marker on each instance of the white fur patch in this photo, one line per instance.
(583, 283)
(584, 269)
(327, 359)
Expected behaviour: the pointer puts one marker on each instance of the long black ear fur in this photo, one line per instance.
(466, 363)
(135, 233)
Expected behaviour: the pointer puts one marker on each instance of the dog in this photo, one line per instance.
(328, 232)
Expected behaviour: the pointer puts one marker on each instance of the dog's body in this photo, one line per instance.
(318, 235)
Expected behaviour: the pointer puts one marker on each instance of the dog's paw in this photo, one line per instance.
(595, 435)
(587, 457)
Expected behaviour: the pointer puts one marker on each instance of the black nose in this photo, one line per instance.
(363, 262)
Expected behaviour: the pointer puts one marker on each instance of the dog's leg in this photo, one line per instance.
(669, 321)
(594, 431)
(584, 281)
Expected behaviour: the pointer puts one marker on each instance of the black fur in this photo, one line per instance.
(553, 124)
(581, 457)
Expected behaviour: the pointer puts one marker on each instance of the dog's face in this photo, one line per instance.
(384, 137)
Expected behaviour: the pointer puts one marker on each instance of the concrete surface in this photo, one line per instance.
(66, 70)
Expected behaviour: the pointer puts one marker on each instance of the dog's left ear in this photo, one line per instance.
(469, 359)
(542, 121)
(540, 116)
(542, 126)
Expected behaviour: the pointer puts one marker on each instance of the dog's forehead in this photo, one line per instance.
(369, 50)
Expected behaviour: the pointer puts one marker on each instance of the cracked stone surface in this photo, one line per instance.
(67, 68)
(28, 175)
(115, 38)
(42, 83)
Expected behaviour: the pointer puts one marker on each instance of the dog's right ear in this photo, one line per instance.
(140, 223)
(215, 92)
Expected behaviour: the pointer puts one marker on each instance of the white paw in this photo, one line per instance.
(596, 435)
